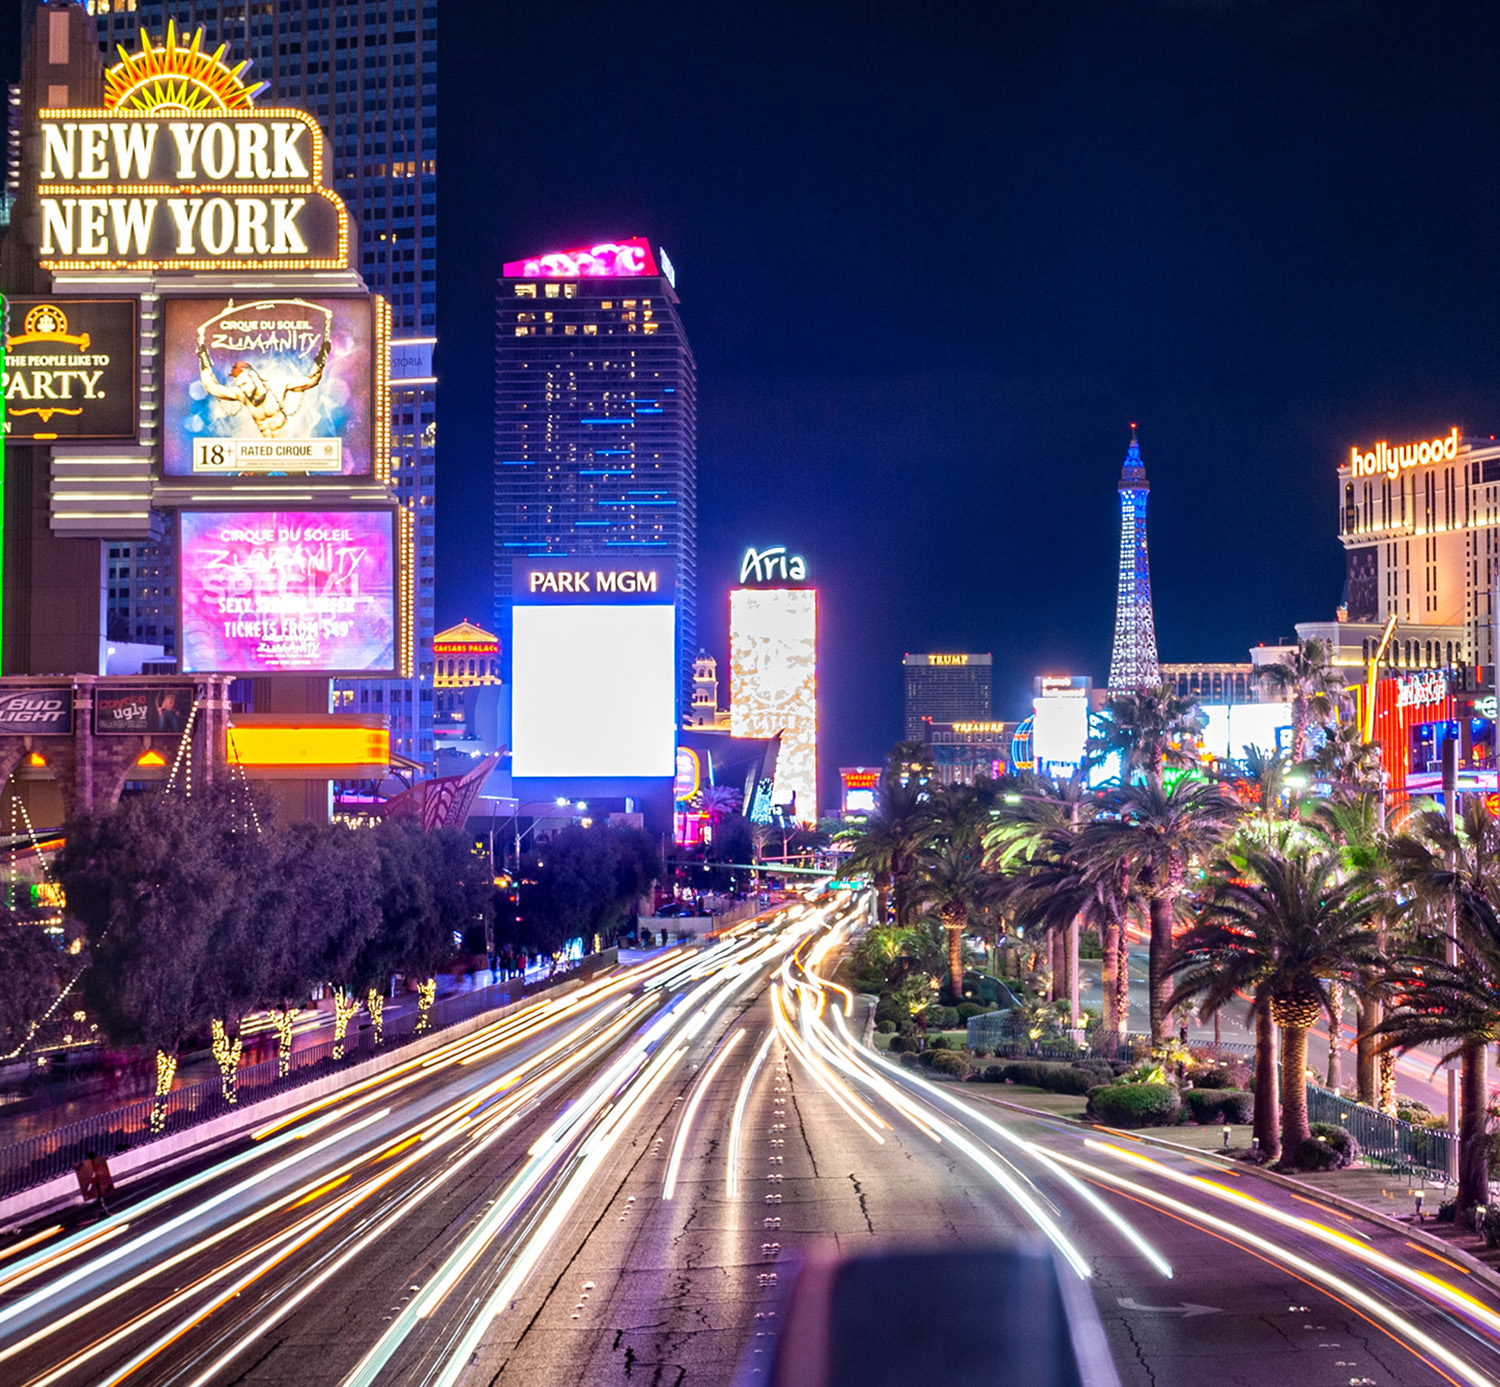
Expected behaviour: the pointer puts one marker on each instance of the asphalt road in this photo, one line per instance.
(616, 1186)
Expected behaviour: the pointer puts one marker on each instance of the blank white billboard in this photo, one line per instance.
(593, 690)
(1059, 730)
(1234, 726)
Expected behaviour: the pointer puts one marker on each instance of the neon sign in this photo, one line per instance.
(607, 260)
(1383, 460)
(1414, 690)
(947, 659)
(769, 565)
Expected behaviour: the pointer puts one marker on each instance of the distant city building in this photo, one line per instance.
(1213, 682)
(1420, 526)
(466, 659)
(945, 688)
(596, 422)
(963, 752)
(704, 713)
(1133, 662)
(1352, 644)
(369, 74)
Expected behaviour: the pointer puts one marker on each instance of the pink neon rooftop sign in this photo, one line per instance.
(608, 259)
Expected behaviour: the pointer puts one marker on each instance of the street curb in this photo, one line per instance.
(1471, 1264)
(157, 1157)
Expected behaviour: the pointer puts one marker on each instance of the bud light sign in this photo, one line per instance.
(37, 711)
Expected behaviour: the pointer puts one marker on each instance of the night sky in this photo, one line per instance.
(934, 258)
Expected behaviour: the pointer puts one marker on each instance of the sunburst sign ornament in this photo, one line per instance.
(174, 79)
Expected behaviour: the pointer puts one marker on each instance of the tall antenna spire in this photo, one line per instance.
(1133, 664)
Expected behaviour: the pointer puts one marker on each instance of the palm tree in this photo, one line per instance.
(717, 801)
(1453, 873)
(1150, 729)
(1260, 778)
(1281, 925)
(1159, 835)
(1314, 687)
(1354, 830)
(958, 885)
(1346, 762)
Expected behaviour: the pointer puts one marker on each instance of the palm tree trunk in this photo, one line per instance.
(1160, 980)
(1473, 1148)
(1109, 963)
(1335, 1073)
(1364, 1051)
(956, 962)
(1267, 1121)
(1122, 984)
(1294, 1125)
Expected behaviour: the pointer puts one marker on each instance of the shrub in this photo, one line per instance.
(980, 1053)
(994, 1073)
(1328, 1148)
(1059, 1078)
(1135, 1105)
(910, 1060)
(889, 1009)
(1026, 1072)
(898, 1044)
(947, 1062)
(1219, 1104)
(967, 1011)
(886, 1027)
(1212, 1078)
(944, 1018)
(938, 1042)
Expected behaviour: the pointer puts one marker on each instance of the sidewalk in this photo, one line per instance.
(1367, 1189)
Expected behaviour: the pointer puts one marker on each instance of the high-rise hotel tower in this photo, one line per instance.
(596, 421)
(368, 71)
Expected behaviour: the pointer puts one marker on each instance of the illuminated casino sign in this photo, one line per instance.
(607, 260)
(556, 580)
(1427, 686)
(147, 190)
(773, 565)
(1384, 460)
(947, 659)
(70, 369)
(983, 729)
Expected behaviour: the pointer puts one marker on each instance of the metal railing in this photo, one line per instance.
(1387, 1141)
(48, 1155)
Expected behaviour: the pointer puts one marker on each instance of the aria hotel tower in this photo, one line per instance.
(596, 420)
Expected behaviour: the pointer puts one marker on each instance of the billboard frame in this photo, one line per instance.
(403, 585)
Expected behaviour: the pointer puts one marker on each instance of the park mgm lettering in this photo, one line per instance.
(119, 190)
(603, 580)
(1385, 461)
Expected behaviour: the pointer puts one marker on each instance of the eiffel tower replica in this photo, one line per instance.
(1133, 664)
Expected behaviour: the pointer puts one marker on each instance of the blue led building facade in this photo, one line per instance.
(1133, 663)
(595, 428)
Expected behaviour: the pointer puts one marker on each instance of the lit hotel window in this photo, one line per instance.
(591, 329)
(551, 291)
(526, 291)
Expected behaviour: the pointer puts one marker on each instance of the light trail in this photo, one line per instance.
(685, 1127)
(1379, 1313)
(731, 1174)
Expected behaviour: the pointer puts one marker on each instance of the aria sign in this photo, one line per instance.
(1383, 460)
(241, 190)
(1416, 690)
(773, 565)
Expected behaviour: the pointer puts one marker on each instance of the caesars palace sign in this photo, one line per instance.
(233, 189)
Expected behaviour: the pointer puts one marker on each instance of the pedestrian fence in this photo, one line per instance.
(1400, 1146)
(48, 1155)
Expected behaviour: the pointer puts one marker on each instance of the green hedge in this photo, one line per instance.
(1209, 1105)
(1055, 1077)
(948, 1062)
(1329, 1148)
(1136, 1105)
